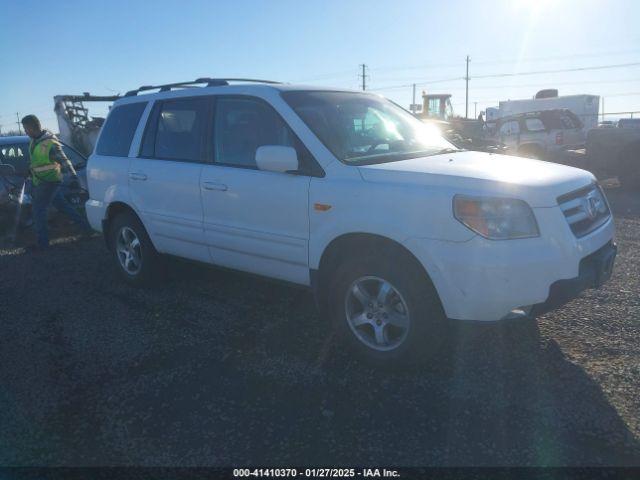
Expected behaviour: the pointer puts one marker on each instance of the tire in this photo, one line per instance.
(127, 236)
(426, 331)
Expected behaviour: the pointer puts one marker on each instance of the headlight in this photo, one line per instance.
(496, 218)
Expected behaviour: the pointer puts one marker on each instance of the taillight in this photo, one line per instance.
(559, 138)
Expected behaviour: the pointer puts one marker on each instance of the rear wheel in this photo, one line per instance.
(386, 310)
(136, 259)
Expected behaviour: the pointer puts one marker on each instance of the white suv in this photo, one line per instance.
(394, 228)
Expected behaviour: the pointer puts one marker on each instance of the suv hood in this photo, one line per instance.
(538, 183)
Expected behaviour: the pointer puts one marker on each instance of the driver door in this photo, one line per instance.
(254, 220)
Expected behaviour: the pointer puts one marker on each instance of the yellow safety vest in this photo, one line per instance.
(42, 168)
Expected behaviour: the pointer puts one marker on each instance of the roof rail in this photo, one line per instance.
(210, 82)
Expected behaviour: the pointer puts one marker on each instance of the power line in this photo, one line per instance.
(514, 74)
(394, 87)
(416, 67)
(537, 85)
(564, 70)
(345, 73)
(557, 57)
(505, 61)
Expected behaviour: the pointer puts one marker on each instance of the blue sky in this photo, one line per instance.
(50, 48)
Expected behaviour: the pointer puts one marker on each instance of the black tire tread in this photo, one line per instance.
(429, 331)
(151, 262)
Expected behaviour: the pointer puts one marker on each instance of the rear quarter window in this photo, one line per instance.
(118, 131)
(561, 120)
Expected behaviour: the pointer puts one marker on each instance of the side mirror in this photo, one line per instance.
(7, 170)
(277, 158)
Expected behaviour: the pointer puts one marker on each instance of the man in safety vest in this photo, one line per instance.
(47, 162)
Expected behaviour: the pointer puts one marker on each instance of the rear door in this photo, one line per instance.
(165, 179)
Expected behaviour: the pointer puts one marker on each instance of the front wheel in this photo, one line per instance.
(387, 311)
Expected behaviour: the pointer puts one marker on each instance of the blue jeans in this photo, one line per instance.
(50, 193)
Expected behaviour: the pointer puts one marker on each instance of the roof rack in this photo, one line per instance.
(210, 82)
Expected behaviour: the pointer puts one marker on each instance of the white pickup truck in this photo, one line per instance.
(396, 230)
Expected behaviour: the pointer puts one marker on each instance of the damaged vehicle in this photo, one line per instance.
(545, 135)
(15, 186)
(77, 127)
(396, 230)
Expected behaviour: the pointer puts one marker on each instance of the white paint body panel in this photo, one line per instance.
(259, 223)
(168, 202)
(266, 223)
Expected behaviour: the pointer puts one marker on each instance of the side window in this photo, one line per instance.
(16, 155)
(534, 125)
(433, 108)
(510, 128)
(244, 124)
(180, 129)
(118, 131)
(570, 120)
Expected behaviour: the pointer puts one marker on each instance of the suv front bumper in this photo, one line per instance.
(595, 270)
(486, 280)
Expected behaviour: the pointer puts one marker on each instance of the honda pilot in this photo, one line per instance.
(398, 232)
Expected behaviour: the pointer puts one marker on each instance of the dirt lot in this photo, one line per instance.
(220, 368)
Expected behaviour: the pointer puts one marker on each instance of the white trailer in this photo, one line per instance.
(586, 107)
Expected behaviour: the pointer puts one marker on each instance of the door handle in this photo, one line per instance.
(214, 186)
(137, 176)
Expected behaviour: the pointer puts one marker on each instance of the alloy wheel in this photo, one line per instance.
(129, 251)
(377, 313)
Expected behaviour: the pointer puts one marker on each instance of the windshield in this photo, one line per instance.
(361, 129)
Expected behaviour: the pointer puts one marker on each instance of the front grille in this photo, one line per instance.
(585, 209)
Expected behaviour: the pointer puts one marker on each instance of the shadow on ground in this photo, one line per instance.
(219, 368)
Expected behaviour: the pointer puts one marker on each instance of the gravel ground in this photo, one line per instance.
(220, 368)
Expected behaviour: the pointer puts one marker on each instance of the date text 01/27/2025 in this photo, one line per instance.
(315, 473)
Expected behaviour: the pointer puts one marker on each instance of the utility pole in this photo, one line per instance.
(18, 122)
(364, 76)
(466, 110)
(413, 103)
(475, 109)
